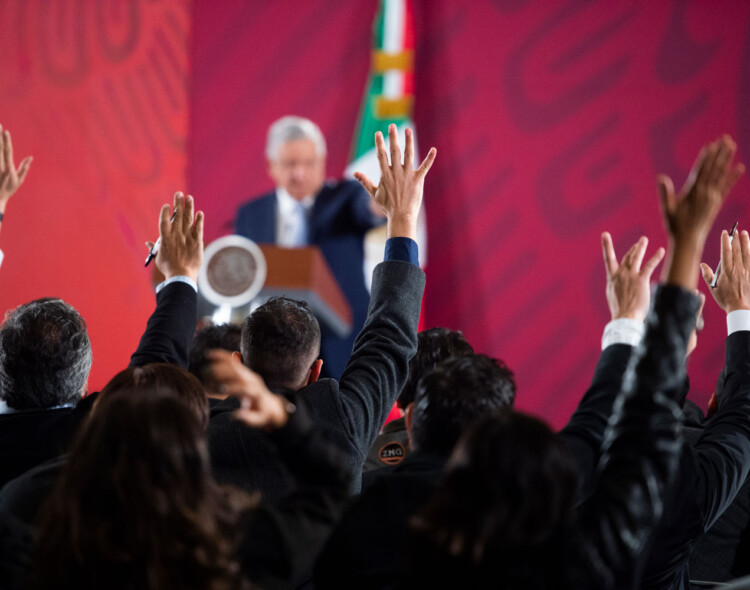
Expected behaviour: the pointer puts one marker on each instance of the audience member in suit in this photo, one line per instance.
(628, 293)
(136, 506)
(722, 553)
(367, 548)
(45, 352)
(281, 342)
(304, 210)
(711, 469)
(506, 510)
(11, 178)
(379, 553)
(23, 496)
(224, 337)
(392, 445)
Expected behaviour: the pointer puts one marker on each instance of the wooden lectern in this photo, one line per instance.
(303, 273)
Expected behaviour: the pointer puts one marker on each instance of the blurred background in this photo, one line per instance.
(551, 119)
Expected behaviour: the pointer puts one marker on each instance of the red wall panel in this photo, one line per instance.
(97, 92)
(551, 120)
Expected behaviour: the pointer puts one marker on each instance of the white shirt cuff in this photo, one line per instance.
(177, 279)
(622, 331)
(738, 321)
(1, 257)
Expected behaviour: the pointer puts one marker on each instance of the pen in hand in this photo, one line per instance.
(718, 267)
(155, 248)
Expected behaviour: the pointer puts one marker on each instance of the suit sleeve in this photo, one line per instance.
(722, 453)
(282, 540)
(641, 448)
(584, 432)
(379, 365)
(170, 328)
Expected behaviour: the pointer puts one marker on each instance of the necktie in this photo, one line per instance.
(300, 234)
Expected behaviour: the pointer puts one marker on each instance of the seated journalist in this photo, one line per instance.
(45, 352)
(506, 510)
(281, 342)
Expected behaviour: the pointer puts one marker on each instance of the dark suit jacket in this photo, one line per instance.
(390, 448)
(368, 548)
(338, 221)
(712, 468)
(723, 552)
(353, 409)
(584, 432)
(30, 438)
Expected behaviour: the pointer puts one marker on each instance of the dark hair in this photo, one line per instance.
(224, 336)
(454, 394)
(433, 345)
(280, 342)
(136, 505)
(161, 379)
(505, 505)
(45, 355)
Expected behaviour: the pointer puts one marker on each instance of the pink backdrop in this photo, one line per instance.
(551, 120)
(97, 92)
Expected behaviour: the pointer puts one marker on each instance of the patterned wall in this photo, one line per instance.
(551, 120)
(97, 92)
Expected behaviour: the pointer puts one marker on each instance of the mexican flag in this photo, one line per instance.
(389, 98)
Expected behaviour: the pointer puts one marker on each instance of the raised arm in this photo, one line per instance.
(628, 296)
(378, 366)
(170, 328)
(641, 448)
(11, 178)
(723, 451)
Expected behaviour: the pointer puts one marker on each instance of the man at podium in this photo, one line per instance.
(305, 209)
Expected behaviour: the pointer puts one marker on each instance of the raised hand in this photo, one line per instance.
(690, 215)
(399, 192)
(10, 177)
(259, 407)
(181, 248)
(628, 285)
(692, 212)
(732, 291)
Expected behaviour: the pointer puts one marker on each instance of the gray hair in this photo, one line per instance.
(291, 128)
(45, 355)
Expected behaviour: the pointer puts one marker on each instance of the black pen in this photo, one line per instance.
(155, 249)
(718, 267)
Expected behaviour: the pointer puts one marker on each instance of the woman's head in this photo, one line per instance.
(136, 504)
(509, 484)
(161, 380)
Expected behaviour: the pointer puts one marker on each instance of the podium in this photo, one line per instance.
(303, 273)
(238, 275)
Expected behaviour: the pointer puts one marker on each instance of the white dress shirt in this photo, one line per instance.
(291, 220)
(627, 331)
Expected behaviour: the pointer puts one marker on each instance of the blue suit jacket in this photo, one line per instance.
(338, 221)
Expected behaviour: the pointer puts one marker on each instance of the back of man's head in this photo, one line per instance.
(281, 342)
(453, 395)
(223, 337)
(433, 346)
(45, 355)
